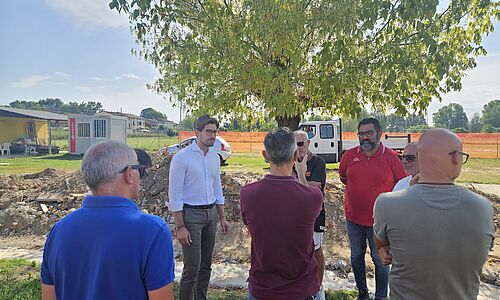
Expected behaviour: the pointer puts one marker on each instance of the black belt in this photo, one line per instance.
(208, 206)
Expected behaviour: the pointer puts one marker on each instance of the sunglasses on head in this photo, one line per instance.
(300, 144)
(140, 168)
(409, 158)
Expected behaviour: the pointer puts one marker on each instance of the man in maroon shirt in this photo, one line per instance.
(280, 212)
(367, 170)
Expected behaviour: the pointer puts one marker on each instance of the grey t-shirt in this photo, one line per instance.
(439, 238)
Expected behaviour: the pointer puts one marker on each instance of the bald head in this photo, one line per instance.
(438, 154)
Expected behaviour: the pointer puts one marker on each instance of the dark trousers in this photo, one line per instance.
(358, 235)
(202, 226)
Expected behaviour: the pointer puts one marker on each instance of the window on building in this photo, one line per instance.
(100, 128)
(310, 130)
(83, 129)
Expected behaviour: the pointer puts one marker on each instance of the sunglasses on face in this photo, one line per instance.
(140, 168)
(409, 158)
(300, 144)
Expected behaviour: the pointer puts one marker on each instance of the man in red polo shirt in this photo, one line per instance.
(367, 170)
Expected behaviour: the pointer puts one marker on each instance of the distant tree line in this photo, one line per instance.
(453, 117)
(56, 105)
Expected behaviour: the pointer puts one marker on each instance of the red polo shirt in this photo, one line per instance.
(365, 178)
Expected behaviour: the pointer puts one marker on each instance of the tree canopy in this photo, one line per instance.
(451, 116)
(491, 114)
(284, 58)
(152, 114)
(58, 106)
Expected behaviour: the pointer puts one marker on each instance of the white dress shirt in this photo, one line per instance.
(194, 178)
(403, 183)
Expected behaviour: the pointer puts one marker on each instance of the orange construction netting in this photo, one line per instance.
(481, 145)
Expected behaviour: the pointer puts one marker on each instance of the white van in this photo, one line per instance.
(326, 139)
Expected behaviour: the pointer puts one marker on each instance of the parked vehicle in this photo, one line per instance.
(220, 146)
(326, 139)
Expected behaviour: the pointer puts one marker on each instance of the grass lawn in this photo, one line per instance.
(477, 170)
(20, 280)
(148, 143)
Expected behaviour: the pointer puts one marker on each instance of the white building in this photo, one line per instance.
(135, 124)
(86, 130)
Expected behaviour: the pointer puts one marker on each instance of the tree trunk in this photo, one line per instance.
(291, 122)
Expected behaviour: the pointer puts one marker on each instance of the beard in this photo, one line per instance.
(368, 145)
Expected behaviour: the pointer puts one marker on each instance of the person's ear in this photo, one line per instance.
(264, 154)
(127, 175)
(454, 159)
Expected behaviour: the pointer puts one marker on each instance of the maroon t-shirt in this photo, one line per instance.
(279, 212)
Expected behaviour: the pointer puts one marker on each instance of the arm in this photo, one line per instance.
(301, 169)
(48, 292)
(383, 251)
(343, 169)
(164, 293)
(181, 231)
(223, 222)
(218, 195)
(176, 179)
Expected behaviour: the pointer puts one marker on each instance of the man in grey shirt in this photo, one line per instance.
(436, 234)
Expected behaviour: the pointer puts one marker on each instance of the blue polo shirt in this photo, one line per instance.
(108, 249)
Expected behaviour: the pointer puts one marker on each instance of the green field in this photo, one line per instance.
(477, 170)
(20, 280)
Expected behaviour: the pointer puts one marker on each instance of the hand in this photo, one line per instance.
(224, 225)
(301, 166)
(414, 179)
(183, 236)
(385, 255)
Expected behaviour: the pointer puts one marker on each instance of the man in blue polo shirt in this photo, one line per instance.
(109, 249)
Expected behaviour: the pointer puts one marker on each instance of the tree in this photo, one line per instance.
(450, 116)
(285, 58)
(397, 123)
(187, 123)
(150, 113)
(475, 124)
(491, 114)
(58, 106)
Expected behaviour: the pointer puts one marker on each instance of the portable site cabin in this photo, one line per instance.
(86, 130)
(30, 124)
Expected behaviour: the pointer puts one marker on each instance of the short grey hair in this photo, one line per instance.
(280, 145)
(303, 133)
(103, 162)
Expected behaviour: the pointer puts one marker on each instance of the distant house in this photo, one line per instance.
(135, 123)
(29, 124)
(165, 123)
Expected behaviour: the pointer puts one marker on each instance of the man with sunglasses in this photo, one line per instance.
(197, 204)
(311, 171)
(410, 163)
(437, 233)
(367, 170)
(108, 248)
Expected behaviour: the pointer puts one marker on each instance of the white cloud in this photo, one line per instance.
(62, 74)
(88, 89)
(93, 13)
(30, 81)
(126, 76)
(96, 78)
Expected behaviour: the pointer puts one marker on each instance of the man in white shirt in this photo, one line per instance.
(196, 202)
(410, 163)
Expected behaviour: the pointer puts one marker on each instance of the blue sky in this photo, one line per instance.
(79, 50)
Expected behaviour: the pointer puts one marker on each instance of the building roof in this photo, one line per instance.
(117, 113)
(32, 114)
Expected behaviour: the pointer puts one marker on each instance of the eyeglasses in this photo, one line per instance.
(210, 131)
(465, 156)
(140, 168)
(409, 158)
(368, 133)
(300, 144)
